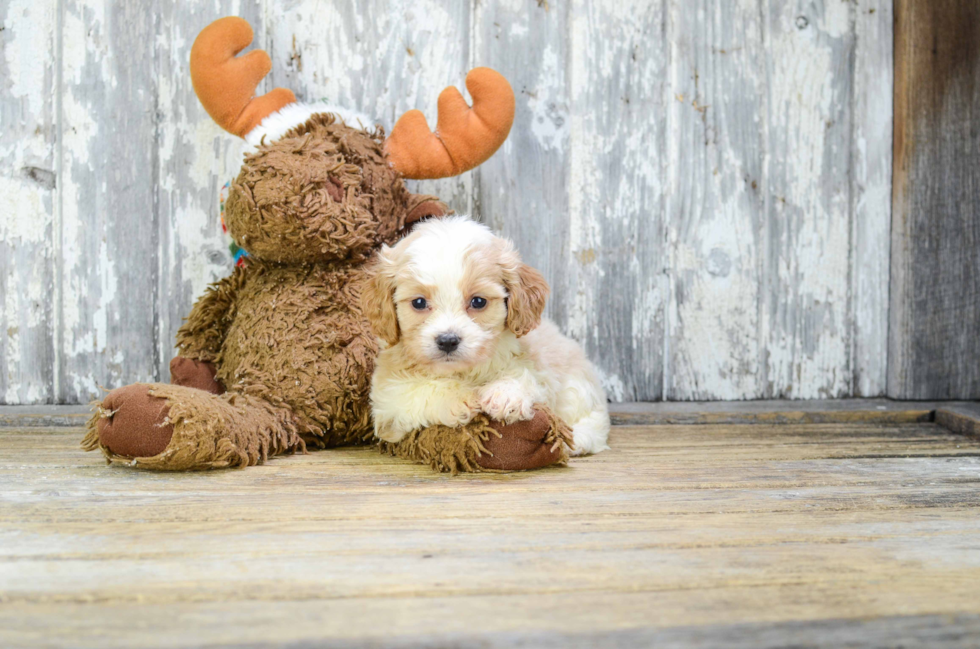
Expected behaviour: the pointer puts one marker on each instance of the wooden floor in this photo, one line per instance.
(682, 535)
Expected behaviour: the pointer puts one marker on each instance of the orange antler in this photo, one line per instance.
(225, 84)
(464, 138)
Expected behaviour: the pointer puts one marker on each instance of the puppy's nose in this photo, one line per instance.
(447, 342)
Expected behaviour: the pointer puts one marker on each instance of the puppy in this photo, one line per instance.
(459, 316)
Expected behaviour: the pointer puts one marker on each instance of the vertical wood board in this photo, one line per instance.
(612, 284)
(717, 206)
(806, 261)
(28, 199)
(107, 271)
(871, 175)
(934, 332)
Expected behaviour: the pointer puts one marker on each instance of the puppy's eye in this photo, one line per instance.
(478, 302)
(419, 303)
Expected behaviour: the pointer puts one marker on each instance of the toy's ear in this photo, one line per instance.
(378, 298)
(225, 84)
(425, 209)
(464, 137)
(527, 293)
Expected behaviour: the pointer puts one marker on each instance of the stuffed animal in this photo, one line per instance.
(278, 356)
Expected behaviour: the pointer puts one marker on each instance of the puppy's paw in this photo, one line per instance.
(461, 413)
(506, 401)
(391, 430)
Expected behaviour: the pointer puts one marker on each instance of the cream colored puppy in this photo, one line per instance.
(459, 316)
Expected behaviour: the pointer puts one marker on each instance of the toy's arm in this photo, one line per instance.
(201, 336)
(484, 445)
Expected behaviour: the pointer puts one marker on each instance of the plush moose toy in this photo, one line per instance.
(278, 357)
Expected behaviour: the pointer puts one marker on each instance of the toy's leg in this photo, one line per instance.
(195, 374)
(176, 428)
(485, 445)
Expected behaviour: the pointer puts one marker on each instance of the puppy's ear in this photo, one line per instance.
(528, 291)
(378, 298)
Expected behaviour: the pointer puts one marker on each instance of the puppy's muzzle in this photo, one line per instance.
(447, 342)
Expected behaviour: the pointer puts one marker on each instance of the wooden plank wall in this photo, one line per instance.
(935, 270)
(705, 183)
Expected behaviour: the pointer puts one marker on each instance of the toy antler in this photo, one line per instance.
(225, 84)
(464, 138)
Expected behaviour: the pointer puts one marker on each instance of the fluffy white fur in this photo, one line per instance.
(447, 262)
(276, 124)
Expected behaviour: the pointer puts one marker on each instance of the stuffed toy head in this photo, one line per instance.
(319, 186)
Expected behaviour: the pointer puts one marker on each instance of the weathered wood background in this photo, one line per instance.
(935, 271)
(706, 183)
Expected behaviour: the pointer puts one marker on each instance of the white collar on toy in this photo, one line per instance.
(276, 124)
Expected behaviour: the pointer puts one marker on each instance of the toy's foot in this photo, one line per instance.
(522, 445)
(176, 428)
(195, 374)
(133, 423)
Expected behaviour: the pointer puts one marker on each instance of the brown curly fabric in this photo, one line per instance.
(282, 206)
(485, 445)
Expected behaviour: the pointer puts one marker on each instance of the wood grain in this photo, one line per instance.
(677, 532)
(395, 623)
(935, 270)
(963, 418)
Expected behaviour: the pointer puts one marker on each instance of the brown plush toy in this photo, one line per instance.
(278, 357)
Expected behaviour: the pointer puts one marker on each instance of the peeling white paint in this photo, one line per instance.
(197, 239)
(13, 357)
(79, 134)
(410, 52)
(807, 327)
(107, 297)
(614, 387)
(23, 217)
(549, 122)
(27, 200)
(613, 279)
(23, 52)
